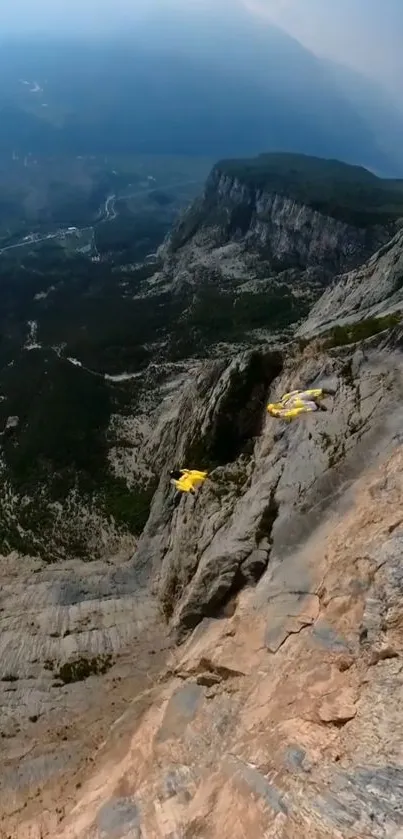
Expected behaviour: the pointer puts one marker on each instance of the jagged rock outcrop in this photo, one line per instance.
(374, 289)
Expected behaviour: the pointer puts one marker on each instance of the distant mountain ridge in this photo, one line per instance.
(228, 91)
(255, 200)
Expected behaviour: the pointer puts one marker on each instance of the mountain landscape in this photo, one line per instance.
(168, 663)
(226, 85)
(197, 215)
(91, 335)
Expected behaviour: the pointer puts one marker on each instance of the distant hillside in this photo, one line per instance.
(231, 90)
(351, 194)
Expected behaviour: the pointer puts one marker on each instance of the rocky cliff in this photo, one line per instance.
(278, 219)
(374, 289)
(280, 715)
(284, 228)
(90, 347)
(240, 674)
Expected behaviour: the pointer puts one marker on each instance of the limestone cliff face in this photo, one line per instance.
(288, 228)
(232, 222)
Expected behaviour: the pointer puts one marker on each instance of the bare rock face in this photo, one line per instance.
(77, 640)
(370, 291)
(289, 228)
(274, 482)
(278, 715)
(245, 237)
(301, 740)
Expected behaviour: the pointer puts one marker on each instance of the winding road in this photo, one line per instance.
(107, 212)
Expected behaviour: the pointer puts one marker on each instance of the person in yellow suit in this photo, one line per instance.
(187, 480)
(298, 402)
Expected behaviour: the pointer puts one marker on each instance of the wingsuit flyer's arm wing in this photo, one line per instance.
(300, 409)
(289, 395)
(184, 484)
(274, 408)
(277, 411)
(291, 413)
(314, 393)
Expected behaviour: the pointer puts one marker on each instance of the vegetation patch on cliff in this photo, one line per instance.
(213, 316)
(359, 331)
(82, 668)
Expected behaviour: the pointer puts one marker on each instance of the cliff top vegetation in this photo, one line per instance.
(349, 193)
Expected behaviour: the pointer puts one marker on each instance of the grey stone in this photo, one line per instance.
(371, 290)
(259, 785)
(289, 613)
(176, 783)
(295, 759)
(254, 566)
(34, 772)
(118, 816)
(327, 637)
(181, 710)
(368, 799)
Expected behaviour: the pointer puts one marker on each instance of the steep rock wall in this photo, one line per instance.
(371, 290)
(269, 493)
(281, 716)
(287, 232)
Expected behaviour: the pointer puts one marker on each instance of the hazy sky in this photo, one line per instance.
(366, 34)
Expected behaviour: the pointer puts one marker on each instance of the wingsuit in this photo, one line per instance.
(187, 480)
(298, 402)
